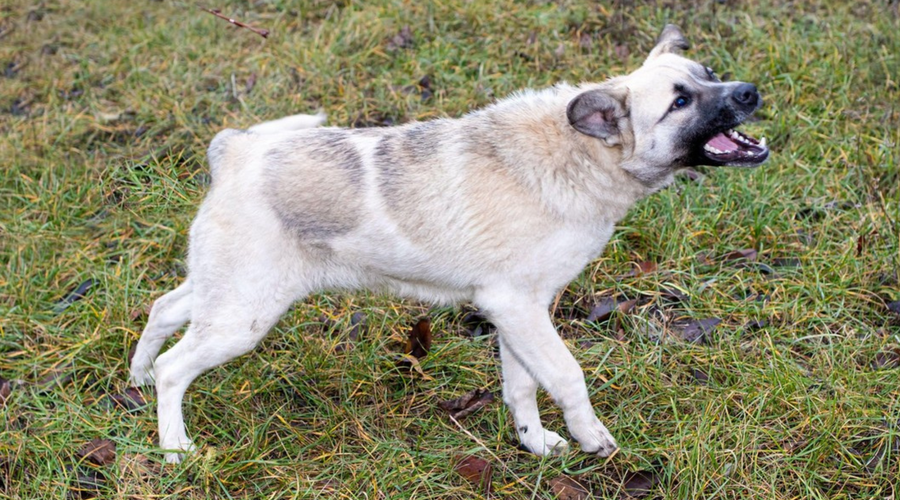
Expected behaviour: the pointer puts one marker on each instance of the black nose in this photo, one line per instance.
(746, 94)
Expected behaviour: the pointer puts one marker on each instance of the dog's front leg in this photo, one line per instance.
(530, 342)
(520, 395)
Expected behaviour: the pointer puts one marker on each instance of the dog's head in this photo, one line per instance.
(671, 113)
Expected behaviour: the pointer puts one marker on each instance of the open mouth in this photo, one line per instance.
(735, 148)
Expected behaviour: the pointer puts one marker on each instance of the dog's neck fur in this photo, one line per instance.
(590, 183)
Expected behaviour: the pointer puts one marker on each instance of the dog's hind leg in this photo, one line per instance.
(217, 334)
(169, 313)
(520, 395)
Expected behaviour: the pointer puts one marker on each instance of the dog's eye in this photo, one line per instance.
(681, 102)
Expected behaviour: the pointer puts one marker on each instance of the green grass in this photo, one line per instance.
(105, 111)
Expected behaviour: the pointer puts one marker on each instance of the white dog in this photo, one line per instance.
(502, 207)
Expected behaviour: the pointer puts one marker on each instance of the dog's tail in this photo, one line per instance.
(294, 122)
(218, 147)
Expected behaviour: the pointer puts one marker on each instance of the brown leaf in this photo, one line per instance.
(419, 342)
(5, 390)
(673, 295)
(566, 488)
(130, 400)
(99, 451)
(402, 40)
(357, 325)
(585, 41)
(464, 406)
(894, 307)
(700, 376)
(560, 50)
(695, 330)
(74, 295)
(621, 51)
(703, 259)
(887, 359)
(139, 313)
(475, 323)
(638, 484)
(746, 253)
(425, 85)
(755, 325)
(602, 311)
(642, 268)
(86, 483)
(251, 82)
(475, 470)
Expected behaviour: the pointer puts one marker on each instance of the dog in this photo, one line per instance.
(502, 208)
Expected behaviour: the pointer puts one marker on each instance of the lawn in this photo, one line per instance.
(760, 359)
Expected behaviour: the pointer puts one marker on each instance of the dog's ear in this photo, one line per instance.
(670, 41)
(598, 113)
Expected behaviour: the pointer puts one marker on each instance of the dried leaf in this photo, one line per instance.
(475, 323)
(560, 50)
(673, 295)
(566, 488)
(5, 390)
(744, 254)
(419, 342)
(464, 406)
(642, 268)
(130, 400)
(475, 470)
(99, 451)
(887, 359)
(695, 330)
(755, 325)
(700, 376)
(894, 307)
(74, 295)
(602, 311)
(251, 82)
(638, 484)
(87, 482)
(621, 51)
(357, 325)
(585, 41)
(402, 40)
(425, 85)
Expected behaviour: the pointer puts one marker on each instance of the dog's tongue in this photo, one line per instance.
(723, 143)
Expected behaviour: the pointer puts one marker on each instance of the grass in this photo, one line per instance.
(105, 111)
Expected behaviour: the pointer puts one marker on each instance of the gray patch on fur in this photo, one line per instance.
(315, 182)
(421, 141)
(389, 173)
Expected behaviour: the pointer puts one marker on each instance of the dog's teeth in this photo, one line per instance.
(762, 142)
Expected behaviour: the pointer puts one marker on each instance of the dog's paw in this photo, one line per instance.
(544, 443)
(595, 438)
(176, 458)
(141, 376)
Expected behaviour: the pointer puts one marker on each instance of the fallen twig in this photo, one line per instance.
(218, 13)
